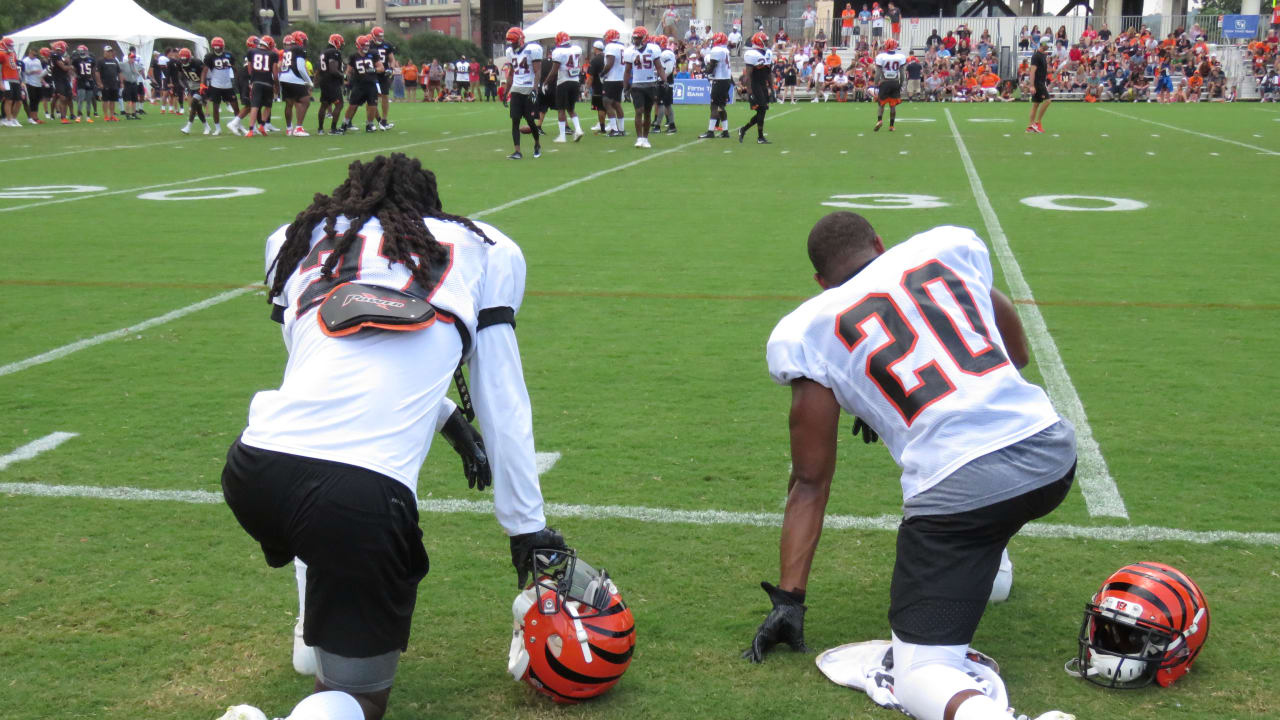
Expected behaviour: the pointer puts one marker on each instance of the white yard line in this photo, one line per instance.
(887, 523)
(247, 171)
(90, 150)
(1193, 132)
(35, 447)
(1101, 495)
(104, 337)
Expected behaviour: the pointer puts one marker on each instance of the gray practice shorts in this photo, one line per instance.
(356, 675)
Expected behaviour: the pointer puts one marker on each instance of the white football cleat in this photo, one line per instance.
(217, 130)
(578, 135)
(1004, 580)
(186, 129)
(560, 139)
(304, 656)
(243, 712)
(207, 130)
(639, 142)
(271, 128)
(299, 132)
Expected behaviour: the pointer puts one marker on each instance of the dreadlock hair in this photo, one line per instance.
(400, 193)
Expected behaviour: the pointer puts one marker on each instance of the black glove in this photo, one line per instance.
(467, 442)
(868, 435)
(522, 547)
(784, 624)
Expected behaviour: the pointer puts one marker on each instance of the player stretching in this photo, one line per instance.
(1040, 81)
(525, 64)
(190, 71)
(757, 71)
(641, 77)
(721, 81)
(888, 64)
(566, 62)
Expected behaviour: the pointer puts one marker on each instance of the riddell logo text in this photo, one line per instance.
(372, 299)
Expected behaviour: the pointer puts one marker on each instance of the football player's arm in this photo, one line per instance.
(608, 65)
(626, 77)
(551, 76)
(537, 72)
(1010, 326)
(814, 422)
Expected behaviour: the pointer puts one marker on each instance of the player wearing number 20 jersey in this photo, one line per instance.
(917, 343)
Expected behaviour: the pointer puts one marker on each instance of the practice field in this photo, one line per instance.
(1136, 239)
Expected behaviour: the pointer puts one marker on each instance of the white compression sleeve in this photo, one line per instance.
(927, 677)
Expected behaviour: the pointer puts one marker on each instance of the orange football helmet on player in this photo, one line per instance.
(515, 36)
(890, 45)
(573, 635)
(639, 34)
(719, 39)
(251, 42)
(611, 36)
(1147, 622)
(268, 42)
(562, 37)
(336, 40)
(184, 54)
(45, 53)
(7, 43)
(760, 40)
(60, 46)
(300, 38)
(217, 44)
(376, 33)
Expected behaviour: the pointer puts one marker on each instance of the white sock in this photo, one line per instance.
(610, 125)
(300, 574)
(711, 126)
(562, 125)
(929, 676)
(577, 127)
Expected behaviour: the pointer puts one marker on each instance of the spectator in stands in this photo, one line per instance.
(1104, 35)
(735, 39)
(810, 20)
(933, 87)
(934, 40)
(820, 42)
(895, 21)
(1062, 36)
(863, 29)
(1024, 38)
(915, 78)
(847, 18)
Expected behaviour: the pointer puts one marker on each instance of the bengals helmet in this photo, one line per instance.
(7, 43)
(336, 40)
(639, 34)
(562, 37)
(362, 43)
(760, 40)
(611, 36)
(217, 44)
(299, 38)
(184, 54)
(719, 39)
(890, 45)
(1147, 623)
(376, 33)
(60, 46)
(515, 36)
(573, 635)
(45, 53)
(251, 42)
(268, 42)
(82, 49)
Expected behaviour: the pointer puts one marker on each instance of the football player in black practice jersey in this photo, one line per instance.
(364, 71)
(190, 74)
(386, 55)
(219, 76)
(264, 83)
(330, 76)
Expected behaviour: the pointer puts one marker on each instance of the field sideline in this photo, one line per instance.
(1130, 235)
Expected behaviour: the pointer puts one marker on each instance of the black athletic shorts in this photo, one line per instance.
(644, 97)
(597, 102)
(330, 91)
(1041, 93)
(543, 101)
(567, 95)
(261, 95)
(217, 96)
(667, 96)
(363, 94)
(384, 83)
(613, 90)
(890, 90)
(110, 94)
(521, 104)
(356, 529)
(720, 92)
(759, 98)
(62, 87)
(292, 91)
(177, 91)
(946, 564)
(14, 92)
(462, 86)
(130, 93)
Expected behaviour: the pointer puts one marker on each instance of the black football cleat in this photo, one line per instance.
(706, 135)
(742, 133)
(763, 141)
(515, 156)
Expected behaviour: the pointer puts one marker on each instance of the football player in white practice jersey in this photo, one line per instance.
(917, 343)
(382, 296)
(566, 73)
(642, 77)
(666, 95)
(889, 66)
(757, 73)
(525, 66)
(717, 68)
(614, 71)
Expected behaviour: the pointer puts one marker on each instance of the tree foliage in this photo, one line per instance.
(18, 14)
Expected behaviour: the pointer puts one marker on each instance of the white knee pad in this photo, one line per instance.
(926, 677)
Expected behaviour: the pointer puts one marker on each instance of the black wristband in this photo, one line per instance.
(797, 596)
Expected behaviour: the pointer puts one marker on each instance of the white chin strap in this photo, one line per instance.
(1115, 668)
(518, 656)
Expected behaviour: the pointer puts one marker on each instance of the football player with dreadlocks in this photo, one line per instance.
(330, 76)
(757, 73)
(326, 470)
(525, 64)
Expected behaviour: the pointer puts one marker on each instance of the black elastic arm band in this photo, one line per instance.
(496, 316)
(277, 313)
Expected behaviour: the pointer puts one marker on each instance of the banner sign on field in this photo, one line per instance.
(694, 92)
(1239, 26)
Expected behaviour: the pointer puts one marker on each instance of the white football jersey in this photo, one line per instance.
(668, 63)
(334, 402)
(891, 64)
(462, 67)
(644, 63)
(522, 64)
(720, 54)
(570, 59)
(615, 50)
(756, 57)
(910, 346)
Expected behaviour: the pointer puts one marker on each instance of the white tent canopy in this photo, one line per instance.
(579, 18)
(122, 21)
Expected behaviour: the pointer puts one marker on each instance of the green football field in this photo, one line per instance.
(1134, 237)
